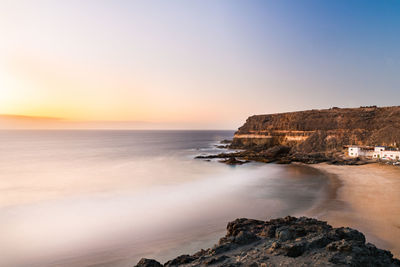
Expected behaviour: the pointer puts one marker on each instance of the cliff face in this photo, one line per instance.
(322, 130)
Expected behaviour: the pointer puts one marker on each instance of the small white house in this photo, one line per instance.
(354, 151)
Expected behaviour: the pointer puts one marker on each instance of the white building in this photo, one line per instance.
(355, 151)
(379, 152)
(382, 153)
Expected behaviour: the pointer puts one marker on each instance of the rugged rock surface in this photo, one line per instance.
(315, 136)
(322, 130)
(286, 241)
(282, 155)
(234, 161)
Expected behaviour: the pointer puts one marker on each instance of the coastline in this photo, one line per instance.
(366, 199)
(271, 243)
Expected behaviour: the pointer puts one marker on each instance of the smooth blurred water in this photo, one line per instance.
(108, 198)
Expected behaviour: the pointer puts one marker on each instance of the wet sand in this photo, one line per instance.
(366, 198)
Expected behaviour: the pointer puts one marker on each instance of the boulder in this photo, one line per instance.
(286, 241)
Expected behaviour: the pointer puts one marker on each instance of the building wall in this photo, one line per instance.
(354, 152)
(377, 153)
(388, 155)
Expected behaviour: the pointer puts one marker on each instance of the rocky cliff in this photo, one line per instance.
(286, 241)
(322, 130)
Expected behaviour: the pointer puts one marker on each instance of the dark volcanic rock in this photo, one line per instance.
(280, 155)
(234, 161)
(269, 155)
(286, 241)
(148, 263)
(181, 260)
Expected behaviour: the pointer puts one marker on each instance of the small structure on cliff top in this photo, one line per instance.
(379, 152)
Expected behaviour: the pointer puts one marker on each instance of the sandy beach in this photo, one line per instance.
(368, 199)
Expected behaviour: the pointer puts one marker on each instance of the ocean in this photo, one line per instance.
(109, 198)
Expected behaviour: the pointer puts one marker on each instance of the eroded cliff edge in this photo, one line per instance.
(286, 241)
(314, 136)
(322, 130)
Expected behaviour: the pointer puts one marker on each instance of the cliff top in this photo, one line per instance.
(336, 110)
(369, 118)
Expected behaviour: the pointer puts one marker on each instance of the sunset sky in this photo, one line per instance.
(195, 64)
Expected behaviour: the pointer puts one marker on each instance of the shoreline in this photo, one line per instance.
(329, 195)
(250, 241)
(366, 198)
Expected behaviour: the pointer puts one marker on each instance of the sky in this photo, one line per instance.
(198, 64)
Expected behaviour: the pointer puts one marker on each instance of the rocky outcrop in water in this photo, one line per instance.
(286, 241)
(282, 155)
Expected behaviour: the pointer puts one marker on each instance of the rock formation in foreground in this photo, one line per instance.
(286, 241)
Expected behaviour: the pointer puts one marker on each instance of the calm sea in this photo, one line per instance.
(108, 198)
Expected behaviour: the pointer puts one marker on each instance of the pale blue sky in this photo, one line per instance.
(196, 64)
